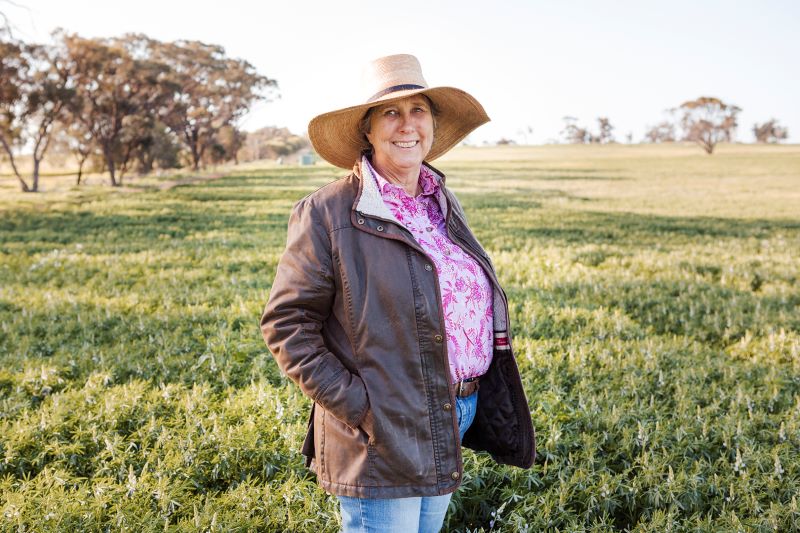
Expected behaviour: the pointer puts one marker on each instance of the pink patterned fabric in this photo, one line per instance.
(466, 291)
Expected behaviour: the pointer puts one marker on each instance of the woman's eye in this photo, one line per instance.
(390, 112)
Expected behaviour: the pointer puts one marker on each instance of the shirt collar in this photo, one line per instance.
(427, 180)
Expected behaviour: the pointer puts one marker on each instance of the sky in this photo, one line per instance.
(530, 63)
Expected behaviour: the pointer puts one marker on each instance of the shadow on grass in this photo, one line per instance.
(701, 311)
(524, 216)
(497, 218)
(125, 233)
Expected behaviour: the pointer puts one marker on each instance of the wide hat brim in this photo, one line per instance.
(336, 138)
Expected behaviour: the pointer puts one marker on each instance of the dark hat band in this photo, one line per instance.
(405, 87)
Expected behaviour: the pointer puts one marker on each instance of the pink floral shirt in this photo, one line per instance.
(466, 291)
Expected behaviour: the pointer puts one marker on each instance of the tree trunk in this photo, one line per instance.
(201, 152)
(7, 148)
(146, 160)
(22, 184)
(81, 160)
(192, 140)
(195, 158)
(123, 166)
(36, 163)
(109, 156)
(43, 138)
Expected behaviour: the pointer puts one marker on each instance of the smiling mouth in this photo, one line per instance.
(406, 144)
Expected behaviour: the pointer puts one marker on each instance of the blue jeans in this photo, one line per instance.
(404, 515)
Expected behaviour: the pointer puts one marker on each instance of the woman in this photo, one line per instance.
(387, 312)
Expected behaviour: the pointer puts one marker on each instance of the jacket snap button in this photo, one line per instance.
(455, 475)
(447, 406)
(360, 220)
(379, 228)
(438, 338)
(428, 268)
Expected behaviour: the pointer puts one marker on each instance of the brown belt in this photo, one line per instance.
(465, 388)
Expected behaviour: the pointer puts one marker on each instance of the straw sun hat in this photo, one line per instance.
(336, 136)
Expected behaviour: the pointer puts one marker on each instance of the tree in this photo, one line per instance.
(128, 99)
(211, 91)
(49, 97)
(155, 146)
(227, 143)
(605, 136)
(143, 138)
(663, 132)
(111, 85)
(577, 135)
(708, 121)
(14, 72)
(80, 142)
(770, 132)
(34, 93)
(271, 142)
(573, 133)
(70, 138)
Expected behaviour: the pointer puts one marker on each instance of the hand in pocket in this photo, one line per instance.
(368, 425)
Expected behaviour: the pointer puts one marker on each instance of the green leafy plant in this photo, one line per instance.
(658, 335)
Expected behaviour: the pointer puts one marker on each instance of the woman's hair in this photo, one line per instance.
(364, 123)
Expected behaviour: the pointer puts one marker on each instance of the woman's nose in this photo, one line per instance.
(406, 122)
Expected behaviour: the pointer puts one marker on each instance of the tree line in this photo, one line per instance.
(706, 121)
(133, 102)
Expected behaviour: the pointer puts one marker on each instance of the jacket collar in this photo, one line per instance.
(370, 202)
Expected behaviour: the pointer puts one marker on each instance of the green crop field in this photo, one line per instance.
(655, 298)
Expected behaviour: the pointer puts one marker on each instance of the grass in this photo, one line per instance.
(654, 297)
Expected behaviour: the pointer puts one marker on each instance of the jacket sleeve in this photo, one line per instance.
(300, 301)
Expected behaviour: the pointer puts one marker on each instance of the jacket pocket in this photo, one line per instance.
(368, 426)
(345, 453)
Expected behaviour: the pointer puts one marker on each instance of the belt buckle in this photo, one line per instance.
(461, 386)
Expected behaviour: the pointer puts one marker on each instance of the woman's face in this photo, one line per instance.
(401, 133)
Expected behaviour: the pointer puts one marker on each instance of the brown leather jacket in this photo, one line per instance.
(355, 319)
